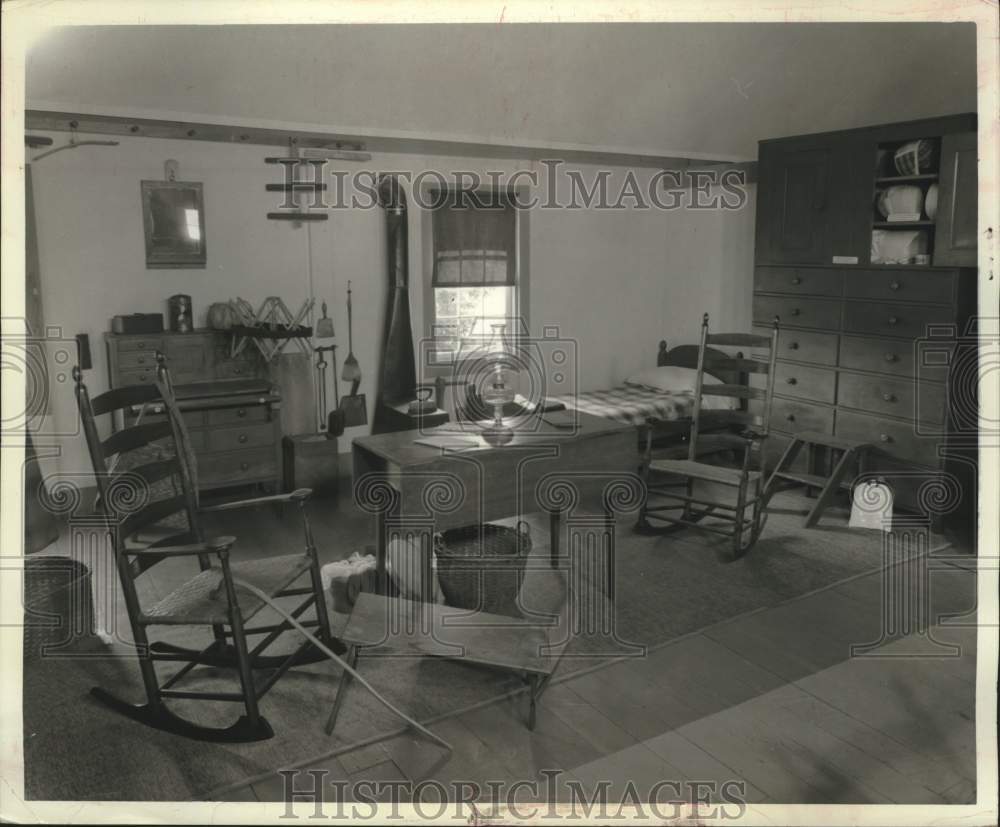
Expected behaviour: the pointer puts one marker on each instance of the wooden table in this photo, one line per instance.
(415, 490)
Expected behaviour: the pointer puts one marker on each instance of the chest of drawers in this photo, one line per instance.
(872, 353)
(231, 408)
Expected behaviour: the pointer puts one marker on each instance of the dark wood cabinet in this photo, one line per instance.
(794, 203)
(869, 351)
(818, 195)
(957, 204)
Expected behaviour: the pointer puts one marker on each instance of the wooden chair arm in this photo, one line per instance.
(299, 495)
(216, 545)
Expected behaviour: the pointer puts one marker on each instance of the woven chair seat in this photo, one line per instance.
(702, 471)
(202, 599)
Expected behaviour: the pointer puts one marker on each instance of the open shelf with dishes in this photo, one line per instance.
(904, 203)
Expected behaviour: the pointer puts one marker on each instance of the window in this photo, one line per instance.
(475, 279)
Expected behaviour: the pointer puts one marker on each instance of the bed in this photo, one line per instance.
(636, 405)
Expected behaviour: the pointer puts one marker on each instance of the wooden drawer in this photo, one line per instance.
(798, 280)
(139, 376)
(232, 439)
(905, 321)
(804, 382)
(797, 312)
(137, 359)
(217, 469)
(792, 416)
(237, 416)
(897, 439)
(148, 343)
(891, 356)
(804, 346)
(235, 369)
(900, 285)
(905, 398)
(878, 355)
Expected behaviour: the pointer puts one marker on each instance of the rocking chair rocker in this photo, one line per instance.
(663, 497)
(145, 476)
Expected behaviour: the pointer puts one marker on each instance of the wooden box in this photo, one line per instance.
(311, 461)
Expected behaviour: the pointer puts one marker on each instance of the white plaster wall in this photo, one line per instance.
(614, 281)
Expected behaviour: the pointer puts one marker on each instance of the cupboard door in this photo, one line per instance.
(955, 236)
(793, 215)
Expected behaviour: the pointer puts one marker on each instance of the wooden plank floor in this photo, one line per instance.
(773, 700)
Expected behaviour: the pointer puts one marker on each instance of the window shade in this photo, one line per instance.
(474, 245)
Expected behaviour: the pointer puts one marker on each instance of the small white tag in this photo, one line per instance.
(845, 259)
(871, 506)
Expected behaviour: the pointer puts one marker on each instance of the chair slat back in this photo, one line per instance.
(142, 469)
(128, 396)
(133, 437)
(716, 365)
(738, 340)
(733, 391)
(711, 362)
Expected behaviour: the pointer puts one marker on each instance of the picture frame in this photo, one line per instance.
(173, 217)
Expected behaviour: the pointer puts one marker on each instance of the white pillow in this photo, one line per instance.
(670, 379)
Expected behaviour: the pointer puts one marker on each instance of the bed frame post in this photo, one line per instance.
(661, 354)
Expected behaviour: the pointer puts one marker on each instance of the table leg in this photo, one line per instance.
(381, 585)
(555, 532)
(609, 528)
(427, 562)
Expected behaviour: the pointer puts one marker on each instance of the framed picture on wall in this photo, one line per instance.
(173, 217)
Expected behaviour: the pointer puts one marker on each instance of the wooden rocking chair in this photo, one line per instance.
(145, 475)
(665, 497)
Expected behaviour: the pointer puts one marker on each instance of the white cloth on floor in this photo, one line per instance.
(344, 580)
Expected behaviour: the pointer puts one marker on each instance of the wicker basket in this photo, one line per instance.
(59, 608)
(481, 567)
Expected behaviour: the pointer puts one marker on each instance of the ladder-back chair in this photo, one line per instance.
(146, 480)
(672, 502)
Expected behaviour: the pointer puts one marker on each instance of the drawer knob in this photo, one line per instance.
(142, 345)
(141, 360)
(244, 466)
(889, 397)
(241, 412)
(791, 380)
(793, 345)
(796, 280)
(895, 285)
(243, 438)
(237, 371)
(893, 320)
(885, 438)
(891, 357)
(795, 311)
(790, 417)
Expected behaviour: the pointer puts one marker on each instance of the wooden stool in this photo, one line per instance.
(851, 450)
